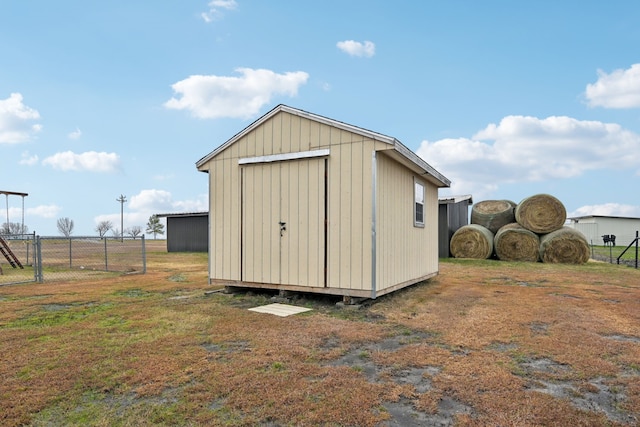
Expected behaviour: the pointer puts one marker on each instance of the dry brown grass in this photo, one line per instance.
(484, 343)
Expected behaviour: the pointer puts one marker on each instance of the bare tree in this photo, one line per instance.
(115, 232)
(103, 227)
(65, 226)
(134, 231)
(13, 228)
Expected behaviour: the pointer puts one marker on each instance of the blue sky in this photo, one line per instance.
(507, 99)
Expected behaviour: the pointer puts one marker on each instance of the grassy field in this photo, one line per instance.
(484, 343)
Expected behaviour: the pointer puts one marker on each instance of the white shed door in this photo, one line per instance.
(283, 222)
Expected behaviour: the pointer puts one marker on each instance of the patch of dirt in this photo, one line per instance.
(404, 414)
(623, 338)
(543, 365)
(539, 327)
(594, 395)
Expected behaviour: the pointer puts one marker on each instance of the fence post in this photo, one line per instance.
(38, 255)
(636, 249)
(144, 256)
(610, 254)
(70, 253)
(106, 256)
(33, 243)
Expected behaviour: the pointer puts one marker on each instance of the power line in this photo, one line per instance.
(122, 199)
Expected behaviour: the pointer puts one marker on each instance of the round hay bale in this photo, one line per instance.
(493, 214)
(472, 241)
(565, 246)
(513, 242)
(541, 213)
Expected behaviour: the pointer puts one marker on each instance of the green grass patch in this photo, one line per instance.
(99, 409)
(58, 314)
(614, 252)
(133, 293)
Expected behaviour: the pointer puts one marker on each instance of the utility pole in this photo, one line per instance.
(122, 199)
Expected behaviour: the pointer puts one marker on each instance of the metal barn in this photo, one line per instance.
(453, 213)
(187, 232)
(305, 203)
(596, 227)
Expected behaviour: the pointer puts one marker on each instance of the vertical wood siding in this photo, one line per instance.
(349, 204)
(404, 252)
(350, 211)
(291, 192)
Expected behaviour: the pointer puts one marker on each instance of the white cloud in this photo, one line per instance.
(210, 97)
(527, 149)
(88, 161)
(620, 89)
(607, 209)
(161, 201)
(152, 200)
(28, 159)
(76, 134)
(354, 48)
(217, 8)
(15, 214)
(44, 211)
(16, 120)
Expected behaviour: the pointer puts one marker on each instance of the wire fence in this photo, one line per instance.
(625, 251)
(30, 258)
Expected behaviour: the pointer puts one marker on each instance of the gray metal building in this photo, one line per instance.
(453, 213)
(187, 232)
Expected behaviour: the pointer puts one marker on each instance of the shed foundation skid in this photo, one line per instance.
(349, 295)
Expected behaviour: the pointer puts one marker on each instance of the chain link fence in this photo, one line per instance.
(624, 255)
(30, 258)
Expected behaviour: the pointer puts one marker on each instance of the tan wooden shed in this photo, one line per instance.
(305, 203)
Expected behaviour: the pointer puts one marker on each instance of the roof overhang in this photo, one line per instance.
(183, 214)
(408, 158)
(13, 193)
(396, 149)
(456, 199)
(602, 216)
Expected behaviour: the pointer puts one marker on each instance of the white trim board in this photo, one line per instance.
(284, 156)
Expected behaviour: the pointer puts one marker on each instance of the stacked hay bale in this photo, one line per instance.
(513, 242)
(532, 230)
(472, 241)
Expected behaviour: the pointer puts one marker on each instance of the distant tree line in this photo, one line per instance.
(154, 226)
(13, 228)
(66, 225)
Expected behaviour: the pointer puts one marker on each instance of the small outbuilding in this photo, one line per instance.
(602, 229)
(453, 213)
(187, 232)
(301, 202)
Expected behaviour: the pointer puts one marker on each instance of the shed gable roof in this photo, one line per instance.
(400, 151)
(456, 199)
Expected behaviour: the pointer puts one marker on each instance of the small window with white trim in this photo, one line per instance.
(418, 210)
